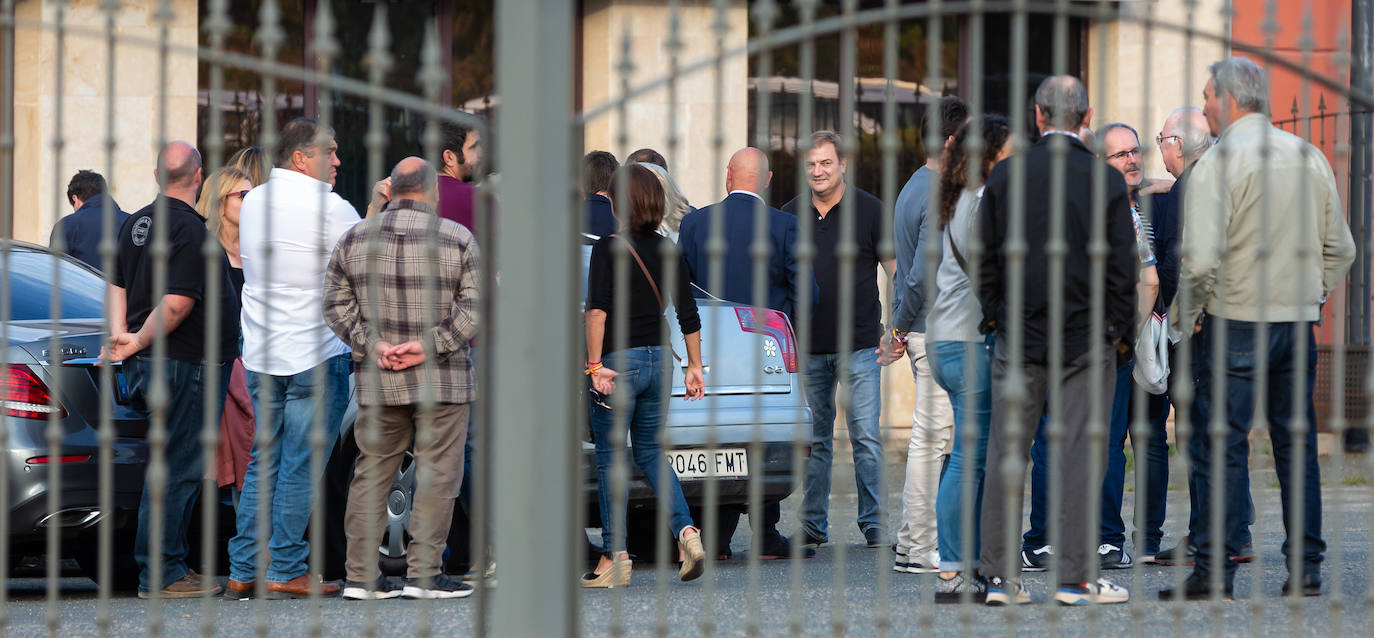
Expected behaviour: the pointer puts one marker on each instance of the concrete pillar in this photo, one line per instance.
(39, 184)
(694, 166)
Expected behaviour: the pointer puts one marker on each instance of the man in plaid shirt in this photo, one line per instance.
(401, 289)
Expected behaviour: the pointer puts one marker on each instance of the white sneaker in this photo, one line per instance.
(1102, 592)
(927, 563)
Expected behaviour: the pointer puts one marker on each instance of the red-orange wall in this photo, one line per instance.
(1317, 52)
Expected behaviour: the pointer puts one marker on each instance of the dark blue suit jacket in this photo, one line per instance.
(81, 229)
(600, 220)
(737, 213)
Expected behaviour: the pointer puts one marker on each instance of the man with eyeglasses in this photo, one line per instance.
(1183, 139)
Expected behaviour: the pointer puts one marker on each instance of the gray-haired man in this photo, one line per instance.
(1264, 242)
(1021, 380)
(1183, 139)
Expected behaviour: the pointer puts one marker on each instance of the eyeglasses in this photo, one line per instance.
(1124, 154)
(238, 194)
(1159, 139)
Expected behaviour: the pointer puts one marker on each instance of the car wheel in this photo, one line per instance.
(391, 555)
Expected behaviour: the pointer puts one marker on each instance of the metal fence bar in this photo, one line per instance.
(211, 405)
(108, 251)
(888, 150)
(530, 456)
(673, 47)
(158, 392)
(1361, 149)
(53, 431)
(846, 252)
(379, 63)
(765, 13)
(806, 254)
(7, 163)
(720, 28)
(216, 27)
(326, 48)
(271, 37)
(1181, 391)
(615, 338)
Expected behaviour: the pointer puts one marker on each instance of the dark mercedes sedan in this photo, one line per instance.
(51, 387)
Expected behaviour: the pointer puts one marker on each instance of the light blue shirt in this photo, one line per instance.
(914, 236)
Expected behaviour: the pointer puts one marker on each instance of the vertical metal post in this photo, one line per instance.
(535, 446)
(1362, 81)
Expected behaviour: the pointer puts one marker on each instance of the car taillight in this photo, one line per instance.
(24, 395)
(41, 460)
(775, 325)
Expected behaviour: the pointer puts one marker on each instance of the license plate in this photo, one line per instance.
(699, 464)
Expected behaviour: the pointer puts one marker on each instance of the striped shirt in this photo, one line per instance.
(425, 272)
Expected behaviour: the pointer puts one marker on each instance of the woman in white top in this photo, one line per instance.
(960, 356)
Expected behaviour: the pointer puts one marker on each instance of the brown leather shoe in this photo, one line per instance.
(298, 587)
(192, 585)
(235, 590)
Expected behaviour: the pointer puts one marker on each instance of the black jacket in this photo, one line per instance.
(81, 229)
(1168, 225)
(1121, 261)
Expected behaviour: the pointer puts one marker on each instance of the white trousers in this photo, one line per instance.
(932, 438)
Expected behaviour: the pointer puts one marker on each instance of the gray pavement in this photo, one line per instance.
(873, 598)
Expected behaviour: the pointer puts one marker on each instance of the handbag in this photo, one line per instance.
(1151, 369)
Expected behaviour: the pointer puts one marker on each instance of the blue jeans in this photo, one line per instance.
(1157, 471)
(284, 407)
(183, 457)
(863, 412)
(465, 492)
(1157, 475)
(1112, 527)
(953, 362)
(642, 373)
(1037, 535)
(1238, 391)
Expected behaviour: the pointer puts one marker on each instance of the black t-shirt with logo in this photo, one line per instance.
(186, 272)
(867, 309)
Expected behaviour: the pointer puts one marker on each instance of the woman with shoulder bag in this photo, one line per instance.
(638, 369)
(961, 358)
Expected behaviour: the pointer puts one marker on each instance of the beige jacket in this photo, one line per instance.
(1261, 240)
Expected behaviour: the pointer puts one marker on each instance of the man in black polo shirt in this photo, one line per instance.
(854, 342)
(137, 318)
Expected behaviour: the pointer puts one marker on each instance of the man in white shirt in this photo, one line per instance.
(288, 227)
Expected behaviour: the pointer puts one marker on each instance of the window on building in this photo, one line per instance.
(464, 29)
(913, 92)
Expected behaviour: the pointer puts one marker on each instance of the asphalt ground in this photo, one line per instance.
(856, 594)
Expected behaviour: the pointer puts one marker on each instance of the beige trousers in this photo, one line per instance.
(438, 437)
(932, 439)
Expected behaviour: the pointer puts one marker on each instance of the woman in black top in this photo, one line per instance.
(640, 364)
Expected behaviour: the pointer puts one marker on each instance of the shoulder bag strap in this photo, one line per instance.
(958, 256)
(653, 285)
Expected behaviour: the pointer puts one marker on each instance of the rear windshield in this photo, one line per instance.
(31, 275)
